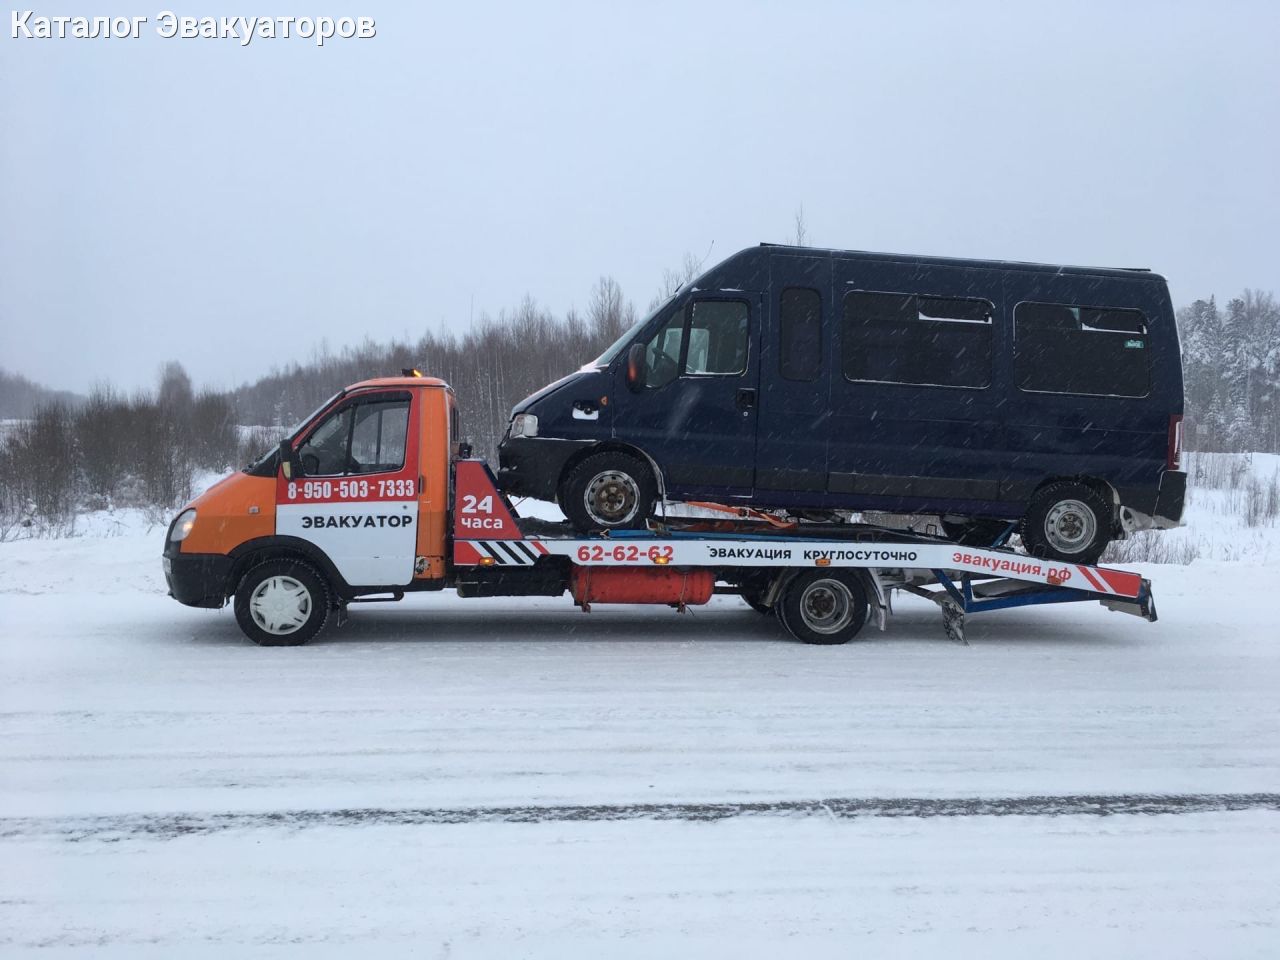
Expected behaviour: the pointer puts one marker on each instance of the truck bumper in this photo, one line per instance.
(532, 466)
(197, 579)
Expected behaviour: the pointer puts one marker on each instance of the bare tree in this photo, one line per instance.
(802, 233)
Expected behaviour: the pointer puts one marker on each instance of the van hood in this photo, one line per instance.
(550, 388)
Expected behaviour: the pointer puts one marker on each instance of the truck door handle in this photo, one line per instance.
(746, 400)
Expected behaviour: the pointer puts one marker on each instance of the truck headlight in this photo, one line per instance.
(524, 425)
(182, 526)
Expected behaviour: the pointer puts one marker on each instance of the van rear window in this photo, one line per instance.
(1099, 351)
(905, 338)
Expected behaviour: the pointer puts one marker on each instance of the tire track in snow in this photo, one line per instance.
(172, 826)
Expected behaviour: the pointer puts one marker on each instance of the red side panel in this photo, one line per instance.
(480, 511)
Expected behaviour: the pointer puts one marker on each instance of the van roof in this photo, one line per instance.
(1142, 273)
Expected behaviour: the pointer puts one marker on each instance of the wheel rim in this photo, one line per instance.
(826, 606)
(280, 605)
(1070, 526)
(612, 497)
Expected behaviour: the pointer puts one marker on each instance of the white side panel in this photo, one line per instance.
(372, 543)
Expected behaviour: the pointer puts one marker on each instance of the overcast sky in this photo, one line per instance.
(231, 207)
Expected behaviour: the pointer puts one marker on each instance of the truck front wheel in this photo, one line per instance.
(282, 603)
(608, 491)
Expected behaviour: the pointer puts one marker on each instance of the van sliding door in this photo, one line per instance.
(917, 400)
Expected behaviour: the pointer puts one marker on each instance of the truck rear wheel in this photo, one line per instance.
(608, 491)
(282, 603)
(824, 607)
(1067, 521)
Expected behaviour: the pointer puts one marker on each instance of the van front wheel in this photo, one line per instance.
(1067, 521)
(608, 491)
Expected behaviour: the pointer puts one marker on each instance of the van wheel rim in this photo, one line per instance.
(826, 606)
(280, 605)
(612, 497)
(1070, 526)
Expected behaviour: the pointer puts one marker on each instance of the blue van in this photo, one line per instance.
(824, 381)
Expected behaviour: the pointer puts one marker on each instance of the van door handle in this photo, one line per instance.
(746, 400)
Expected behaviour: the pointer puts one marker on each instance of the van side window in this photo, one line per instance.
(662, 352)
(360, 438)
(718, 336)
(905, 338)
(1100, 351)
(800, 334)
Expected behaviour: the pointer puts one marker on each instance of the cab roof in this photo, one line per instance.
(384, 382)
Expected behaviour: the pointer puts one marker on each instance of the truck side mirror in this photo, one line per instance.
(635, 367)
(289, 461)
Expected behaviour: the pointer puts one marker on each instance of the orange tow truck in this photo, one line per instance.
(375, 495)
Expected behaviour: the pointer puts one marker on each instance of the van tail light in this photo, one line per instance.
(1174, 460)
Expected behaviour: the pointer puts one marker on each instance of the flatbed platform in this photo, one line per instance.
(961, 579)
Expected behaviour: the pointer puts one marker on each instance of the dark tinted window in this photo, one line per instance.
(905, 338)
(800, 333)
(1090, 350)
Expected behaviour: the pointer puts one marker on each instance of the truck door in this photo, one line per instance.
(356, 498)
(697, 410)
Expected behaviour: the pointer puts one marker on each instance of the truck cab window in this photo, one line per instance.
(718, 336)
(324, 453)
(378, 436)
(360, 438)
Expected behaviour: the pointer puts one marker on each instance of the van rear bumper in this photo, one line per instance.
(197, 579)
(532, 466)
(1143, 511)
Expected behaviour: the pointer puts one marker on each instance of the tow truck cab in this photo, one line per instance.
(359, 492)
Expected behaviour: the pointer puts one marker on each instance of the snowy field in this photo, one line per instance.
(452, 778)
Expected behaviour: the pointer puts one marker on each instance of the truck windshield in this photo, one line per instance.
(292, 432)
(621, 343)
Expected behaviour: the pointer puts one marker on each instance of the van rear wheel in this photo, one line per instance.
(608, 491)
(1067, 521)
(282, 603)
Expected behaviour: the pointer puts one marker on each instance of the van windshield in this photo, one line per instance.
(621, 343)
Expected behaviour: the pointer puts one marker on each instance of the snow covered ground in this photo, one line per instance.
(457, 778)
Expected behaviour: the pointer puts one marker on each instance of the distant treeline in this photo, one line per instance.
(491, 367)
(1231, 368)
(142, 450)
(20, 397)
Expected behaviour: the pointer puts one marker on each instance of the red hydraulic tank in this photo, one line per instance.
(619, 585)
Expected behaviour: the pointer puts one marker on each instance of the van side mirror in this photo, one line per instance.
(635, 367)
(289, 461)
